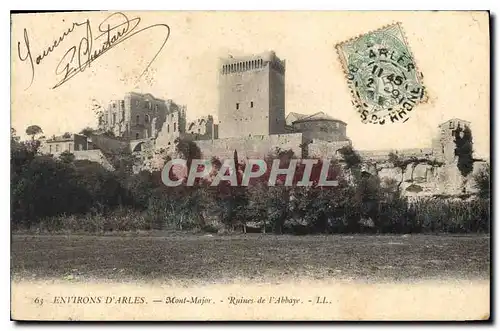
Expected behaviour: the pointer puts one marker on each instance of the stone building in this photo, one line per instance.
(292, 117)
(252, 115)
(65, 143)
(203, 128)
(444, 143)
(136, 116)
(319, 126)
(173, 127)
(251, 121)
(251, 96)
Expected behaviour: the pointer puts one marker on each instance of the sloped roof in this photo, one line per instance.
(61, 138)
(454, 119)
(292, 117)
(319, 116)
(297, 115)
(145, 95)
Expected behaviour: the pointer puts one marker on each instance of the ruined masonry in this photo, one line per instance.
(252, 121)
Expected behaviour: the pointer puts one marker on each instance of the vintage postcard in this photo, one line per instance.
(250, 165)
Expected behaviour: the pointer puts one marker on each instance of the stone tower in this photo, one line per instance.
(444, 143)
(174, 125)
(131, 116)
(251, 96)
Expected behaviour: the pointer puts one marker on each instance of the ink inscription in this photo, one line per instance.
(112, 31)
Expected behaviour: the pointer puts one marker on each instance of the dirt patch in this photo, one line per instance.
(251, 257)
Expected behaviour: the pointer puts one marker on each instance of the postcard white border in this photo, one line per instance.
(183, 5)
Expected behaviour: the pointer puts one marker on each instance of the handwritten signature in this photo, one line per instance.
(113, 30)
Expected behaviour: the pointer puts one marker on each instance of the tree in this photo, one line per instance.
(43, 188)
(367, 187)
(33, 130)
(67, 157)
(350, 156)
(463, 149)
(367, 196)
(103, 187)
(87, 131)
(188, 150)
(109, 133)
(13, 136)
(21, 154)
(483, 182)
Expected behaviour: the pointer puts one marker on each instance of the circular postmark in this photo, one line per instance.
(383, 78)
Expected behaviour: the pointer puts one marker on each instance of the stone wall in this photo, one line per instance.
(111, 145)
(326, 130)
(417, 179)
(202, 128)
(250, 147)
(173, 128)
(423, 179)
(383, 154)
(141, 144)
(136, 116)
(323, 149)
(277, 97)
(153, 157)
(94, 155)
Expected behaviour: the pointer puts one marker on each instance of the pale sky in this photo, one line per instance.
(451, 49)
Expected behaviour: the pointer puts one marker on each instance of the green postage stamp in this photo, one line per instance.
(384, 81)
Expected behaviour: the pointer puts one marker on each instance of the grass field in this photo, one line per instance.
(189, 257)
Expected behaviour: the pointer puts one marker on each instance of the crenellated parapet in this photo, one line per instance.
(233, 65)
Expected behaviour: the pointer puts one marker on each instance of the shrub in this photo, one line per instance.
(483, 182)
(66, 194)
(119, 220)
(67, 157)
(42, 187)
(45, 187)
(454, 216)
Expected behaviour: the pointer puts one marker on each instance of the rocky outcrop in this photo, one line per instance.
(425, 178)
(416, 178)
(151, 159)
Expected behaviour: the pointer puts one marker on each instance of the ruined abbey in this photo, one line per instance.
(252, 120)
